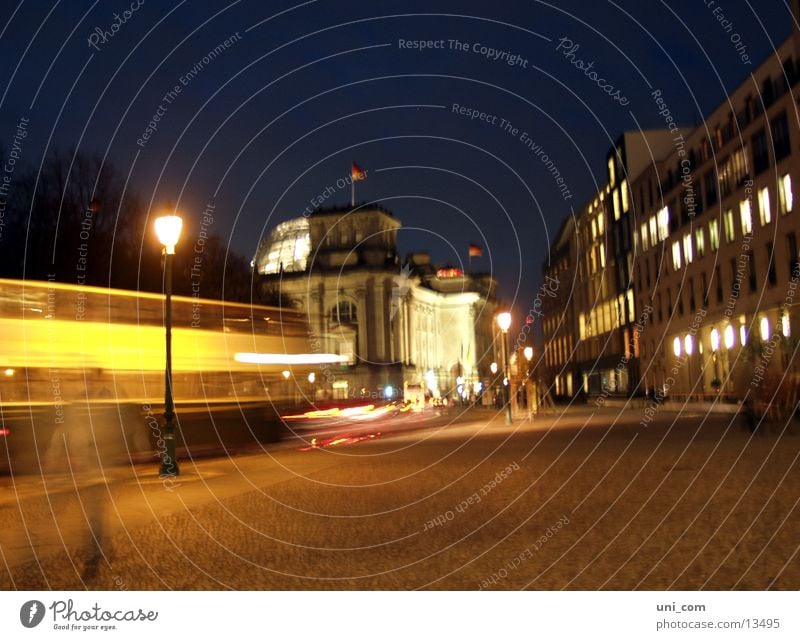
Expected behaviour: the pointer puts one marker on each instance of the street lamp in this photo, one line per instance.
(168, 230)
(504, 322)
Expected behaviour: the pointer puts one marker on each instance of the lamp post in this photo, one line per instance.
(528, 353)
(168, 230)
(504, 322)
(715, 383)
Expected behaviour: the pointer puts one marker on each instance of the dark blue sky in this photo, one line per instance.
(306, 87)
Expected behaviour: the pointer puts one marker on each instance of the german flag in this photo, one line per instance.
(475, 251)
(357, 173)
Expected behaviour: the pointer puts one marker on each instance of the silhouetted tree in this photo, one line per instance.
(73, 221)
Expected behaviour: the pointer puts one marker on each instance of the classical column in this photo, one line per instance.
(363, 343)
(379, 329)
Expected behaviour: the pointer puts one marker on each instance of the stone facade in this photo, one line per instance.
(397, 322)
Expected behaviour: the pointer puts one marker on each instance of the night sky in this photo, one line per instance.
(296, 91)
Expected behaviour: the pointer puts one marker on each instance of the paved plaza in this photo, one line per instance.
(580, 498)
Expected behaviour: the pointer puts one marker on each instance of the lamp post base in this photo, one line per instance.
(169, 461)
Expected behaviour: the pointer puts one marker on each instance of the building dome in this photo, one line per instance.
(287, 248)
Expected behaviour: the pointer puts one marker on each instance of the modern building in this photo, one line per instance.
(685, 264)
(396, 323)
(559, 325)
(718, 245)
(589, 338)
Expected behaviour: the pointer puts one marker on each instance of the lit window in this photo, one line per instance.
(746, 216)
(600, 222)
(344, 313)
(729, 336)
(786, 328)
(602, 250)
(663, 223)
(764, 213)
(764, 328)
(713, 234)
(785, 194)
(645, 239)
(629, 297)
(594, 228)
(730, 231)
(612, 177)
(582, 326)
(687, 248)
(615, 197)
(676, 255)
(714, 340)
(624, 192)
(700, 242)
(688, 344)
(676, 347)
(653, 231)
(742, 334)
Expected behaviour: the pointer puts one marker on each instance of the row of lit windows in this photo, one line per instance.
(739, 270)
(785, 204)
(598, 225)
(686, 344)
(620, 199)
(655, 230)
(596, 258)
(620, 203)
(606, 316)
(558, 351)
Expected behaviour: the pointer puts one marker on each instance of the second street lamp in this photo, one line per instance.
(504, 322)
(168, 230)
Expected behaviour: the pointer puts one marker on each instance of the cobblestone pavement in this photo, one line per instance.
(577, 500)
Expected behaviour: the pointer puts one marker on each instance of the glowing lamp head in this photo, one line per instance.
(688, 344)
(168, 230)
(493, 367)
(676, 346)
(714, 340)
(285, 374)
(504, 321)
(528, 351)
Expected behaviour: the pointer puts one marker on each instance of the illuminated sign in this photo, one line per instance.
(449, 273)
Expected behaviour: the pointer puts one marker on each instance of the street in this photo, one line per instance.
(582, 498)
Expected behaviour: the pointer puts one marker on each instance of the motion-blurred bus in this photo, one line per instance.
(78, 357)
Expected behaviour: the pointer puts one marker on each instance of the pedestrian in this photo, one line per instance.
(750, 417)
